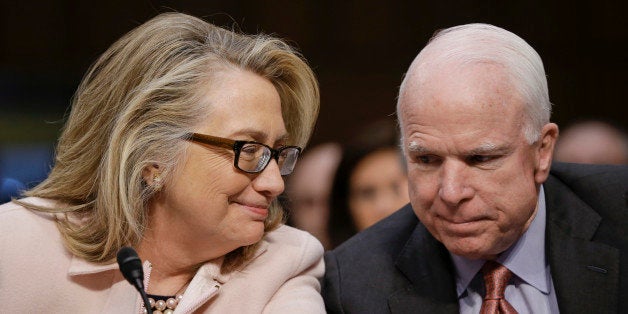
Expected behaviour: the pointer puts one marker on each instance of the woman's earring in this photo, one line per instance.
(157, 183)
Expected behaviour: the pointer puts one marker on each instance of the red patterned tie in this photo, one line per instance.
(496, 278)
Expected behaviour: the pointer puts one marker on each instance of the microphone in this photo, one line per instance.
(131, 268)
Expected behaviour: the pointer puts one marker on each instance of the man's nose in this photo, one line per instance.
(454, 185)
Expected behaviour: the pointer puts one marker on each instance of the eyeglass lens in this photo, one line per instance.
(255, 157)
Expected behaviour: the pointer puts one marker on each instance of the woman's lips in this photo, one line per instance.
(258, 211)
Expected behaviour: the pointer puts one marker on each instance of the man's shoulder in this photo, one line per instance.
(571, 172)
(598, 180)
(388, 235)
(587, 217)
(376, 248)
(602, 188)
(361, 274)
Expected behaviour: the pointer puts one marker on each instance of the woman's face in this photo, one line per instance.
(378, 187)
(209, 205)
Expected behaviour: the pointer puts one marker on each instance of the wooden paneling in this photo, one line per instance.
(359, 49)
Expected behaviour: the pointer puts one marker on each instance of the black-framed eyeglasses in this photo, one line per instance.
(253, 157)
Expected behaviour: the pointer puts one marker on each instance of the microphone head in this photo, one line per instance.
(130, 265)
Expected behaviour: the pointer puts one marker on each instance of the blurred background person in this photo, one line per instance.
(22, 166)
(176, 144)
(308, 189)
(10, 188)
(370, 182)
(592, 142)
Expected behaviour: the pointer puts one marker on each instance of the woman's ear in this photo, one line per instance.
(549, 135)
(152, 177)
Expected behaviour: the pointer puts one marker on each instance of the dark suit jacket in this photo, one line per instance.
(396, 266)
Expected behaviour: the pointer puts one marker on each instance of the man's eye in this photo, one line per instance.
(477, 159)
(426, 159)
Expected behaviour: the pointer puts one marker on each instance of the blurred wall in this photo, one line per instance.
(359, 50)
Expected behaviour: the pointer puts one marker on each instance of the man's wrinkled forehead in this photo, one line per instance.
(449, 78)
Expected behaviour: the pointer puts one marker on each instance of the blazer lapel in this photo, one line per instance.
(585, 273)
(427, 265)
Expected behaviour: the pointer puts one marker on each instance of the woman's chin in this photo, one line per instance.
(254, 233)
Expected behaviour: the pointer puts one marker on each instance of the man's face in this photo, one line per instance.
(473, 177)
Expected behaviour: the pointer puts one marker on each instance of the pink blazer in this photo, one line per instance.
(38, 275)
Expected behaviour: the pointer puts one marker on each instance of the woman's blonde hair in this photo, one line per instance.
(133, 109)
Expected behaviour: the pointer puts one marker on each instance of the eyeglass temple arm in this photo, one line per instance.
(212, 140)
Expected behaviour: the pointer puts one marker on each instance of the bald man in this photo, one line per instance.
(492, 226)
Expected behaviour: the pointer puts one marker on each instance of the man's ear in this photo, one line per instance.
(545, 153)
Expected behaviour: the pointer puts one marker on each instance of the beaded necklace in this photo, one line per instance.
(163, 304)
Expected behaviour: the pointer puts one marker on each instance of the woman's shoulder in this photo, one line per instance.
(284, 275)
(13, 211)
(25, 227)
(288, 249)
(26, 230)
(289, 237)
(34, 258)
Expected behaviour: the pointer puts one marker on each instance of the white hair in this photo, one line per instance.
(481, 43)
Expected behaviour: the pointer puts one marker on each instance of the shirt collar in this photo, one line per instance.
(526, 258)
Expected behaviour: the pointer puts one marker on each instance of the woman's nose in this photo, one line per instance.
(269, 181)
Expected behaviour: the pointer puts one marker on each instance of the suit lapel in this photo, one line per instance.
(585, 273)
(427, 265)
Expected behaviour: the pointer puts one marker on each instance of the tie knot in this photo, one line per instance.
(496, 277)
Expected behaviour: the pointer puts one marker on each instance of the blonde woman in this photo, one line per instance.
(176, 145)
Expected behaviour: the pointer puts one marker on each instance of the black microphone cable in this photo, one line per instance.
(131, 268)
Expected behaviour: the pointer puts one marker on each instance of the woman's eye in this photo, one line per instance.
(250, 150)
(364, 193)
(283, 154)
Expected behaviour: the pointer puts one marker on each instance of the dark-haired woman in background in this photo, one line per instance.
(370, 181)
